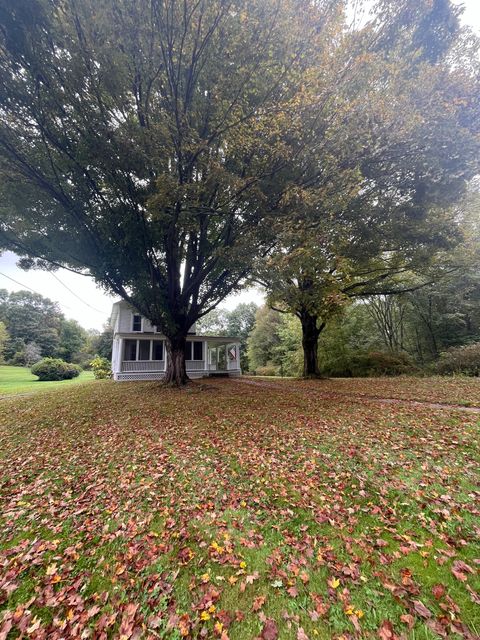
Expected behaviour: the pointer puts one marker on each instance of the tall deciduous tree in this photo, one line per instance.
(392, 154)
(145, 143)
(29, 317)
(72, 339)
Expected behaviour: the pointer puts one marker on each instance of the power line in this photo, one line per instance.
(63, 284)
(17, 282)
(75, 295)
(30, 289)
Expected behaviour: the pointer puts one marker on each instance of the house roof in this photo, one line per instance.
(116, 310)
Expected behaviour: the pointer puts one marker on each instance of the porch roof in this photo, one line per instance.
(193, 337)
(220, 339)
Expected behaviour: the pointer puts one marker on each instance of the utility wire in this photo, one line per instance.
(17, 282)
(63, 284)
(30, 289)
(75, 295)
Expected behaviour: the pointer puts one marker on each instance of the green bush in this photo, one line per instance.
(100, 367)
(55, 369)
(464, 360)
(370, 364)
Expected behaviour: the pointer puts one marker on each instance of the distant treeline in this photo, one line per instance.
(33, 327)
(435, 329)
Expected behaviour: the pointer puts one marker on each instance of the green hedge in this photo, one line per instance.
(55, 369)
(464, 360)
(371, 364)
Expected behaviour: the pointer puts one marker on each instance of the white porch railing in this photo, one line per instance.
(143, 365)
(159, 365)
(195, 365)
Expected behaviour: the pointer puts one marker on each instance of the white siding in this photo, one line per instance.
(125, 320)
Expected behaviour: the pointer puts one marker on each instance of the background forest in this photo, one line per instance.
(33, 327)
(434, 328)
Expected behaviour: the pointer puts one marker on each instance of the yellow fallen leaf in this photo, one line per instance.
(204, 616)
(359, 613)
(334, 583)
(51, 569)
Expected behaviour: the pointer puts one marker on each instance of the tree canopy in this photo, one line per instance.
(386, 173)
(144, 143)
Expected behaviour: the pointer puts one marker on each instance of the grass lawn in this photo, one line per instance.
(20, 380)
(240, 510)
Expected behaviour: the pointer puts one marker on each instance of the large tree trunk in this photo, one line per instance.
(310, 334)
(176, 373)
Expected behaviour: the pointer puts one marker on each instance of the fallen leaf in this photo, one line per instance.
(270, 630)
(421, 609)
(438, 591)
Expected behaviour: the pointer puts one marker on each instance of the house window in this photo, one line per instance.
(136, 322)
(197, 350)
(144, 350)
(194, 351)
(157, 353)
(130, 350)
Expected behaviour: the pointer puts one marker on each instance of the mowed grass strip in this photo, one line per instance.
(229, 510)
(15, 380)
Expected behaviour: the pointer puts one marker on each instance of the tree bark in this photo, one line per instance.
(176, 373)
(310, 334)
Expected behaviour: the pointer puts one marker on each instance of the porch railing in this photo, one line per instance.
(195, 365)
(159, 365)
(143, 365)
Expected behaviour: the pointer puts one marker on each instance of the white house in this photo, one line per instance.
(139, 351)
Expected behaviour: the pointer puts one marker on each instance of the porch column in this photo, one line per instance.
(165, 355)
(118, 364)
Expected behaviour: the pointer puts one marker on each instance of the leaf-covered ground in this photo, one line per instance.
(239, 510)
(452, 390)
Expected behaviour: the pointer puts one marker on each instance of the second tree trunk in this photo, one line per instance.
(310, 334)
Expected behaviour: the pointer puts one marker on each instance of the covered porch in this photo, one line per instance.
(145, 357)
(223, 356)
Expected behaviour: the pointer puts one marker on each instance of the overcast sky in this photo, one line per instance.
(78, 296)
